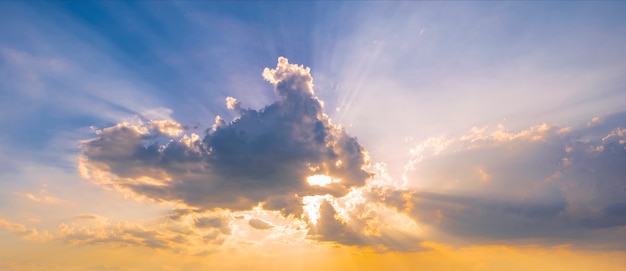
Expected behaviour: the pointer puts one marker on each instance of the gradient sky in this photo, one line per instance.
(312, 135)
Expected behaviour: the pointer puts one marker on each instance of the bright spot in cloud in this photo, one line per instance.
(312, 206)
(321, 180)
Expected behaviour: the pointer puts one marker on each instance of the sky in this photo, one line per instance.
(340, 135)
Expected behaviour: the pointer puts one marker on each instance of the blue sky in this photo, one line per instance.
(512, 111)
(188, 56)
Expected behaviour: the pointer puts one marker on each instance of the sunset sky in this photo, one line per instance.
(333, 135)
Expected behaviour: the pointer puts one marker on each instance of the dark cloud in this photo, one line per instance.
(369, 224)
(259, 224)
(207, 229)
(263, 156)
(329, 228)
(490, 219)
(220, 223)
(286, 204)
(545, 182)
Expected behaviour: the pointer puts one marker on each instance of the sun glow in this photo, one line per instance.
(312, 206)
(321, 180)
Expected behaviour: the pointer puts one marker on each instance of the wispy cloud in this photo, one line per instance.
(25, 232)
(42, 199)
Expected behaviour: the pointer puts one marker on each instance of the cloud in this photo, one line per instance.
(25, 232)
(543, 182)
(261, 157)
(259, 224)
(373, 216)
(216, 222)
(88, 217)
(329, 228)
(42, 199)
(594, 121)
(120, 234)
(189, 232)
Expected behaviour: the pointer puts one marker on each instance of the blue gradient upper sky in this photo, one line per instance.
(525, 96)
(438, 66)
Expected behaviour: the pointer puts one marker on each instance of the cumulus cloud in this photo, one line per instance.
(289, 158)
(262, 157)
(543, 182)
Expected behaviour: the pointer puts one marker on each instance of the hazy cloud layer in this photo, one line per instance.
(184, 231)
(24, 231)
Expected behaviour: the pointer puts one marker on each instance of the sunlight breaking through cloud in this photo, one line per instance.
(321, 180)
(289, 158)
